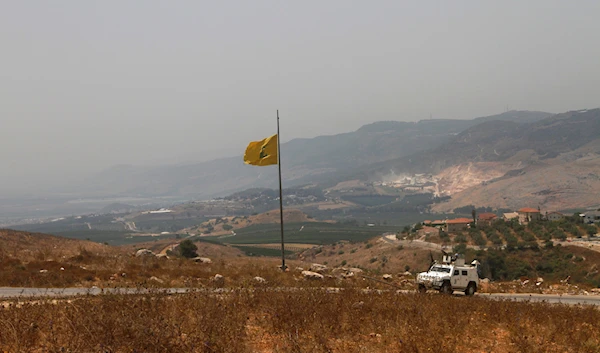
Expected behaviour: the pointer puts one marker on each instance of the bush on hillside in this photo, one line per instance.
(187, 249)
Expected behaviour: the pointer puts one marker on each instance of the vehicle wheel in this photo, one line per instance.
(471, 288)
(446, 288)
(422, 288)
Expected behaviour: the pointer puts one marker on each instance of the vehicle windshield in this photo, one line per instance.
(440, 269)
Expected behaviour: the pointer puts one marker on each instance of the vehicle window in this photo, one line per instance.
(440, 269)
(464, 273)
(456, 272)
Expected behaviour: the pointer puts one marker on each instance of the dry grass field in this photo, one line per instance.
(282, 312)
(37, 246)
(310, 320)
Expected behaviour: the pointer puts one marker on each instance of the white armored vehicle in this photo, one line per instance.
(449, 276)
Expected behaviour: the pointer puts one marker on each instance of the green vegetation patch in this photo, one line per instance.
(258, 251)
(306, 232)
(370, 200)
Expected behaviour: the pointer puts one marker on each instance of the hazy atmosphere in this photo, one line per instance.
(87, 85)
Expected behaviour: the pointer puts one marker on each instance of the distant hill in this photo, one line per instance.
(302, 160)
(497, 140)
(553, 162)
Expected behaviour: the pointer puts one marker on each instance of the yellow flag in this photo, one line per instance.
(263, 152)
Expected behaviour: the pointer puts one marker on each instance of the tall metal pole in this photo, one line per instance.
(283, 267)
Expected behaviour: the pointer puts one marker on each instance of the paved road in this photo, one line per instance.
(11, 292)
(18, 292)
(550, 298)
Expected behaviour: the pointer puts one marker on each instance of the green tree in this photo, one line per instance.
(187, 249)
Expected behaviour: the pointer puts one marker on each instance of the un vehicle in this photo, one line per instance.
(449, 276)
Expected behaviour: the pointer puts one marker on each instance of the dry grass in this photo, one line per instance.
(206, 249)
(89, 269)
(37, 246)
(265, 320)
(252, 316)
(375, 255)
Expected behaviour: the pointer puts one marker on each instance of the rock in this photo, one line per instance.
(566, 280)
(123, 274)
(485, 280)
(62, 268)
(202, 260)
(260, 280)
(318, 268)
(312, 275)
(355, 270)
(348, 275)
(219, 280)
(156, 279)
(43, 271)
(387, 277)
(540, 280)
(595, 290)
(144, 253)
(299, 269)
(358, 305)
(407, 274)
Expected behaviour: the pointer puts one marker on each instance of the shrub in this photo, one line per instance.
(187, 249)
(461, 238)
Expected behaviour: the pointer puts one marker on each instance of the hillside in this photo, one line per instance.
(555, 184)
(228, 225)
(37, 246)
(552, 162)
(497, 141)
(507, 251)
(303, 160)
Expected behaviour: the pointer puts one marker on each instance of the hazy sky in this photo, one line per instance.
(88, 84)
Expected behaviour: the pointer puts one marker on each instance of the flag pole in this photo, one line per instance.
(283, 267)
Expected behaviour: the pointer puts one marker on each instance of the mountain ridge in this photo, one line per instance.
(303, 160)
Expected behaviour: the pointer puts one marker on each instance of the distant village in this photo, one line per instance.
(416, 182)
(523, 216)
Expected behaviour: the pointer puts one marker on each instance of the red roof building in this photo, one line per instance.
(458, 224)
(486, 218)
(528, 214)
(528, 210)
(459, 221)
